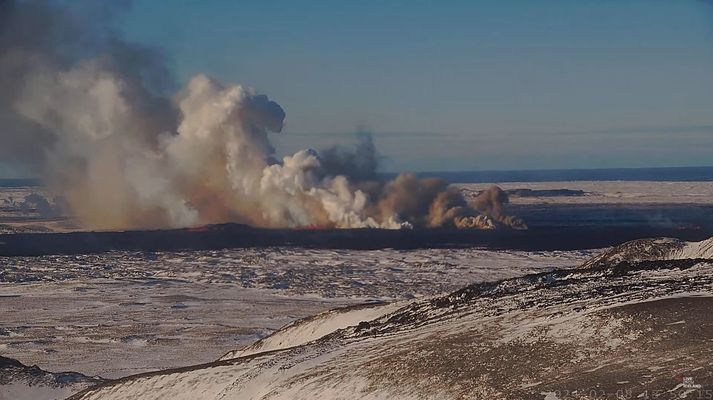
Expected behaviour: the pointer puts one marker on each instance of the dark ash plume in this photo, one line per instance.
(358, 164)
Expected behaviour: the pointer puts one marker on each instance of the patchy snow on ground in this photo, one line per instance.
(122, 313)
(702, 249)
(312, 328)
(592, 327)
(608, 192)
(22, 382)
(653, 249)
(14, 218)
(641, 329)
(31, 209)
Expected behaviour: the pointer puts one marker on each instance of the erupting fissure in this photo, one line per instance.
(95, 115)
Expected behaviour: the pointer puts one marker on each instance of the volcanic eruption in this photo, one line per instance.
(99, 118)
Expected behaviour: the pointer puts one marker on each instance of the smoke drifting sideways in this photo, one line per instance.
(95, 115)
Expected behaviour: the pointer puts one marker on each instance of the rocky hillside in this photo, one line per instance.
(635, 323)
(653, 250)
(20, 382)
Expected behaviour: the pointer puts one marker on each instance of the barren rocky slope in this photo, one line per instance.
(19, 382)
(632, 327)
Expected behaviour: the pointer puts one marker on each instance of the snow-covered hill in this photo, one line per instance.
(122, 313)
(653, 250)
(312, 328)
(20, 382)
(639, 328)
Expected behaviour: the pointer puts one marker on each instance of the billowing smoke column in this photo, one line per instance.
(492, 202)
(95, 115)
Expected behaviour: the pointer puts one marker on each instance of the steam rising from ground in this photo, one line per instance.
(97, 116)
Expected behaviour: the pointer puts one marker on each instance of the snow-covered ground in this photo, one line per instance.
(120, 313)
(22, 382)
(609, 192)
(625, 328)
(632, 193)
(123, 313)
(653, 249)
(19, 211)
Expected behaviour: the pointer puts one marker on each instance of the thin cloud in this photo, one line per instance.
(625, 131)
(351, 134)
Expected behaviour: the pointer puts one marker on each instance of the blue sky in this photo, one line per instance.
(454, 85)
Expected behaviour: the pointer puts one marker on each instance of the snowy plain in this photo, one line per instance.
(609, 192)
(633, 328)
(118, 313)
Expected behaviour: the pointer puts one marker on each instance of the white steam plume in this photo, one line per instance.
(96, 116)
